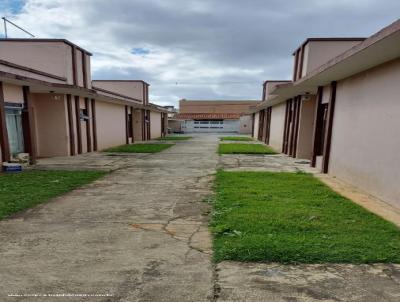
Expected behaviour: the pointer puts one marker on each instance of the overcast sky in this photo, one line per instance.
(208, 49)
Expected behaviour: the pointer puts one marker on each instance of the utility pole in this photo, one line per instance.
(5, 27)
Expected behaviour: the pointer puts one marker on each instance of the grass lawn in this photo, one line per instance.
(174, 138)
(19, 191)
(236, 138)
(294, 218)
(140, 148)
(245, 149)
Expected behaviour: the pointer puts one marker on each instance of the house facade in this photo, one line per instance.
(49, 106)
(216, 116)
(341, 110)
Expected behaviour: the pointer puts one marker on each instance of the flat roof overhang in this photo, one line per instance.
(39, 86)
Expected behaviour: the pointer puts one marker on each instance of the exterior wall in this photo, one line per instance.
(155, 125)
(187, 106)
(245, 124)
(13, 93)
(277, 126)
(365, 139)
(51, 123)
(111, 128)
(317, 53)
(256, 124)
(137, 125)
(175, 125)
(270, 85)
(52, 57)
(306, 126)
(131, 89)
(230, 126)
(83, 127)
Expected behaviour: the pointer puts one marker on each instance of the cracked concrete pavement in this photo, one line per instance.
(140, 234)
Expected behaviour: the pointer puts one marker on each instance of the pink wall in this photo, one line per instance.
(155, 124)
(365, 139)
(245, 123)
(137, 125)
(306, 127)
(127, 88)
(277, 126)
(51, 124)
(256, 124)
(13, 93)
(54, 58)
(111, 130)
(317, 53)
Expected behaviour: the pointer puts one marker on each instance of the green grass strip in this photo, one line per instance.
(139, 148)
(294, 218)
(174, 138)
(19, 191)
(236, 138)
(245, 149)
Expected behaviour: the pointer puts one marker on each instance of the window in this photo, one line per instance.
(14, 129)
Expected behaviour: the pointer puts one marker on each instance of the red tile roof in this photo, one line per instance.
(208, 116)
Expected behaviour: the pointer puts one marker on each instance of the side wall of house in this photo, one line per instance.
(51, 124)
(365, 139)
(137, 125)
(306, 126)
(256, 124)
(277, 126)
(111, 127)
(155, 124)
(245, 124)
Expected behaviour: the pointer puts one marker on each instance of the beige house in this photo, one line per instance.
(341, 110)
(49, 105)
(216, 116)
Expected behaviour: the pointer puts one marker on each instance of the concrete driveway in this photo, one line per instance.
(138, 234)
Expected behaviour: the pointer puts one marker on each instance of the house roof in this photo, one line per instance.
(134, 81)
(382, 47)
(45, 40)
(38, 86)
(208, 116)
(328, 39)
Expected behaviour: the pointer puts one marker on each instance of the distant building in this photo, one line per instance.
(216, 116)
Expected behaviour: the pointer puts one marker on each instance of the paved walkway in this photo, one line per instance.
(140, 234)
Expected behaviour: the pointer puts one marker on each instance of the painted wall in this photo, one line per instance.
(365, 139)
(256, 124)
(306, 126)
(228, 126)
(175, 125)
(137, 125)
(13, 93)
(111, 128)
(245, 123)
(128, 88)
(188, 106)
(51, 124)
(317, 53)
(155, 125)
(277, 126)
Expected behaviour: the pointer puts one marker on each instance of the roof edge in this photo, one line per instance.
(45, 40)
